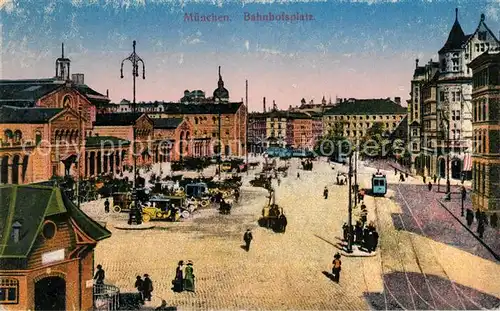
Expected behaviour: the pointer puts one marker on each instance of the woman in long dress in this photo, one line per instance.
(179, 279)
(189, 277)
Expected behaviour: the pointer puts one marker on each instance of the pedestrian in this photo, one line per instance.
(358, 230)
(338, 180)
(369, 240)
(106, 206)
(424, 178)
(189, 277)
(469, 216)
(147, 287)
(298, 175)
(99, 279)
(178, 281)
(345, 231)
(283, 222)
(279, 182)
(435, 178)
(464, 193)
(494, 220)
(480, 228)
(429, 185)
(337, 267)
(247, 237)
(395, 171)
(139, 284)
(325, 193)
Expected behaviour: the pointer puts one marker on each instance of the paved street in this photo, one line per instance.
(286, 271)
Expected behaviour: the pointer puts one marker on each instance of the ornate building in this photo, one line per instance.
(46, 124)
(486, 132)
(206, 116)
(446, 132)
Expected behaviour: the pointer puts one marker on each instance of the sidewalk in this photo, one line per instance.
(425, 216)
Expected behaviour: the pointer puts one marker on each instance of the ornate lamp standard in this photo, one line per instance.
(445, 126)
(135, 60)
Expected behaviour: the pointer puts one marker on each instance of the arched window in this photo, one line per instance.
(195, 120)
(8, 135)
(214, 120)
(18, 135)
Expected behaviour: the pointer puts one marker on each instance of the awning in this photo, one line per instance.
(467, 162)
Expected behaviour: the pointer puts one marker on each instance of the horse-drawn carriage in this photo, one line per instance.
(261, 180)
(273, 216)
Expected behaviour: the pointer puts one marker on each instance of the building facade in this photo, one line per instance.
(446, 132)
(358, 115)
(486, 132)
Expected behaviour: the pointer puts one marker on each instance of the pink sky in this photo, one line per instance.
(309, 75)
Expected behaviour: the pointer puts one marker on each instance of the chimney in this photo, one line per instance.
(416, 63)
(274, 105)
(264, 104)
(107, 93)
(397, 100)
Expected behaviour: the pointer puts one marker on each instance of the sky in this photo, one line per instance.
(360, 49)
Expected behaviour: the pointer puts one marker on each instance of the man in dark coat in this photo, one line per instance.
(325, 193)
(99, 278)
(247, 237)
(106, 206)
(345, 231)
(435, 178)
(375, 240)
(147, 287)
(283, 222)
(469, 217)
(480, 228)
(494, 220)
(139, 285)
(358, 232)
(429, 185)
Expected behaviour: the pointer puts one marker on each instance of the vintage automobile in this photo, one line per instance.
(261, 180)
(121, 201)
(169, 208)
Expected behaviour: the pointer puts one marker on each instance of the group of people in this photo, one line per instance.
(144, 287)
(341, 180)
(274, 218)
(365, 236)
(184, 277)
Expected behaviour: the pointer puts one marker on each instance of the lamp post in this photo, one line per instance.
(246, 122)
(446, 128)
(349, 240)
(464, 194)
(135, 60)
(356, 174)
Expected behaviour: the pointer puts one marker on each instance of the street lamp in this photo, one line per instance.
(349, 240)
(135, 60)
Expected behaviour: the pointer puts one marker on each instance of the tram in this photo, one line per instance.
(379, 184)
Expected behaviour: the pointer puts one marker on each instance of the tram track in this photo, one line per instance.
(435, 295)
(435, 259)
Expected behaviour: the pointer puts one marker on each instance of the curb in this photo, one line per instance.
(134, 227)
(495, 255)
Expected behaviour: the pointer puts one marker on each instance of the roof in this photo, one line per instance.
(30, 90)
(456, 38)
(167, 123)
(9, 114)
(98, 141)
(29, 205)
(117, 119)
(367, 106)
(190, 107)
(486, 57)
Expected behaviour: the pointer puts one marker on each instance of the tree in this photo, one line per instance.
(374, 143)
(328, 145)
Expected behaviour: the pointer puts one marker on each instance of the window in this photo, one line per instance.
(416, 115)
(481, 35)
(415, 146)
(49, 230)
(374, 117)
(195, 120)
(38, 137)
(9, 291)
(415, 132)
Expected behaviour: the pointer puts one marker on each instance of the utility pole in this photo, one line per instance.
(349, 240)
(448, 190)
(219, 149)
(135, 60)
(246, 122)
(356, 174)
